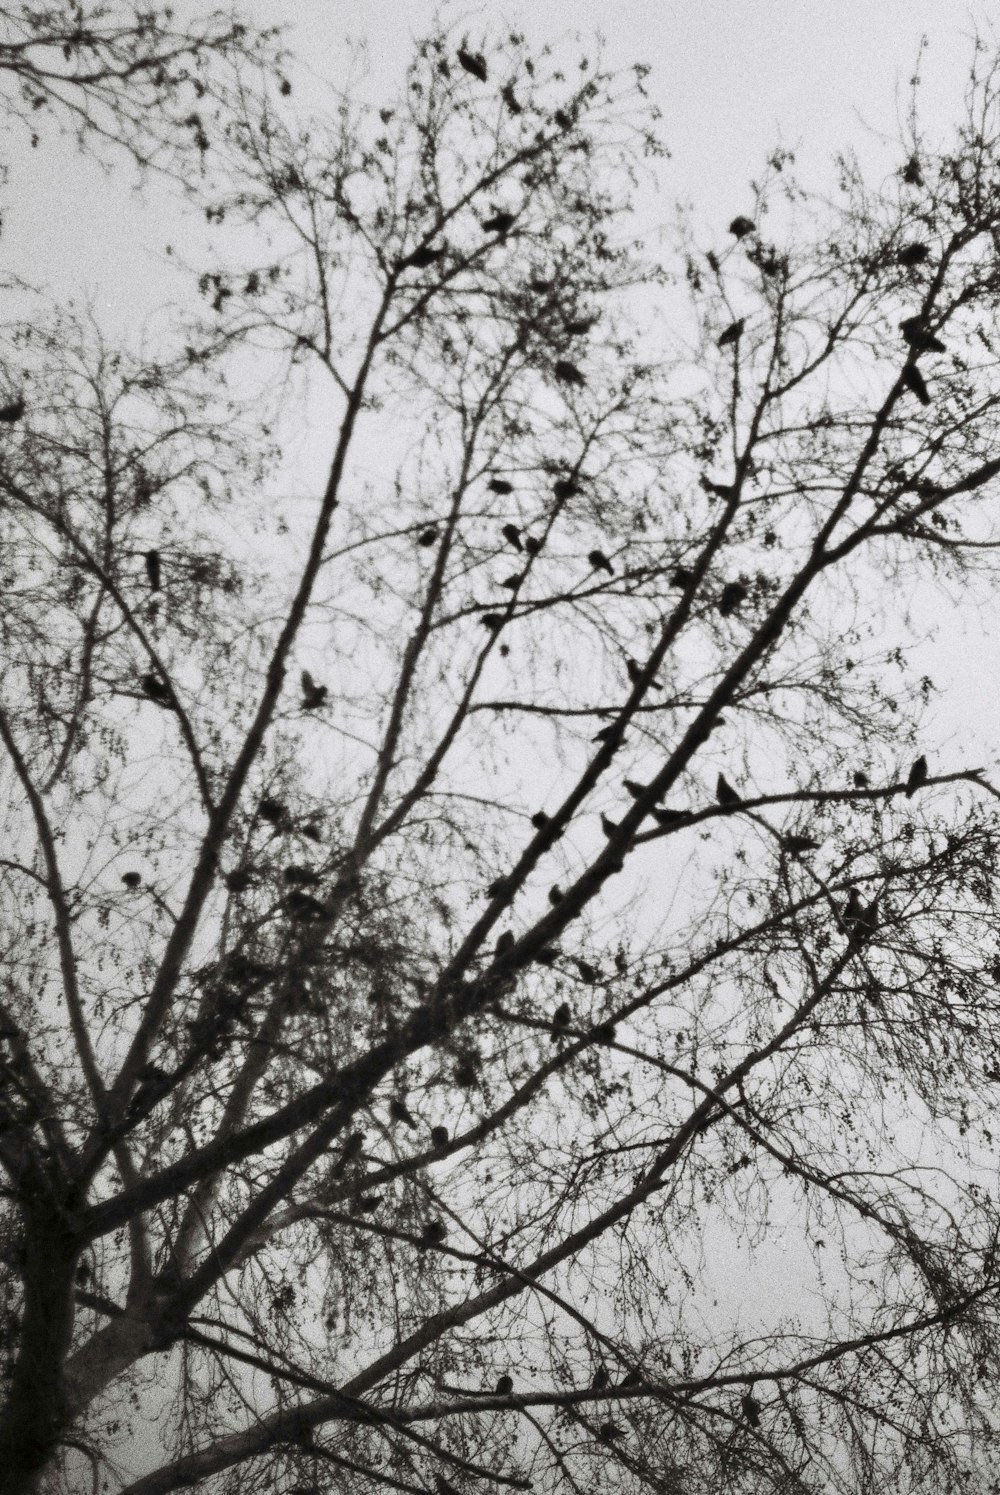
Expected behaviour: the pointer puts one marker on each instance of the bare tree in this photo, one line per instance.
(495, 984)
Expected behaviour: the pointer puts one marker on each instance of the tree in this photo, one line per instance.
(436, 964)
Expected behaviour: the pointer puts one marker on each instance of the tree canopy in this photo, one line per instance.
(499, 986)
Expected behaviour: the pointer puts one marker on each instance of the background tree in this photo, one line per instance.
(452, 935)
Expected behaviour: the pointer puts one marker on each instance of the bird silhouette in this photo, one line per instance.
(400, 1111)
(500, 485)
(271, 810)
(733, 595)
(861, 780)
(493, 621)
(532, 545)
(609, 1432)
(796, 844)
(313, 694)
(578, 326)
(155, 689)
(132, 879)
(681, 577)
(632, 1377)
(751, 1410)
(512, 582)
(505, 1385)
(564, 488)
(567, 373)
(917, 777)
(601, 1378)
(304, 908)
(433, 1233)
(914, 381)
(599, 562)
(912, 175)
(562, 119)
(445, 1486)
(474, 63)
(427, 537)
(717, 490)
(919, 337)
(732, 333)
(561, 1019)
(510, 99)
(913, 254)
(12, 411)
(610, 733)
(588, 972)
(555, 895)
(725, 793)
(350, 1150)
(421, 257)
(512, 535)
(853, 909)
(240, 880)
(499, 223)
(539, 820)
(439, 1136)
(741, 226)
(301, 877)
(667, 817)
(152, 560)
(634, 670)
(505, 939)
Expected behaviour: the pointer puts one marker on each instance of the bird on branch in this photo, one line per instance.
(741, 226)
(732, 333)
(917, 776)
(474, 63)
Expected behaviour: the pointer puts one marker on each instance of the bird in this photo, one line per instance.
(717, 490)
(866, 924)
(608, 826)
(578, 326)
(751, 1409)
(562, 119)
(466, 1072)
(493, 621)
(561, 1019)
(861, 780)
(912, 175)
(474, 63)
(400, 1111)
(588, 973)
(725, 793)
(444, 1486)
(504, 941)
(12, 411)
(433, 1233)
(670, 817)
(312, 830)
(555, 895)
(795, 844)
(500, 485)
(301, 877)
(914, 380)
(439, 1136)
(601, 1378)
(564, 488)
(152, 560)
(510, 99)
(505, 1385)
(732, 333)
(352, 1146)
(539, 820)
(239, 880)
(917, 335)
(733, 595)
(532, 545)
(271, 810)
(427, 537)
(304, 907)
(913, 254)
(741, 226)
(498, 223)
(421, 257)
(132, 879)
(512, 535)
(853, 908)
(608, 1432)
(635, 672)
(681, 577)
(313, 694)
(155, 689)
(567, 373)
(608, 734)
(917, 777)
(632, 1377)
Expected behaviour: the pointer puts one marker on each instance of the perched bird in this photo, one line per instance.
(682, 577)
(271, 810)
(445, 1486)
(513, 581)
(555, 894)
(912, 175)
(853, 909)
(913, 254)
(608, 1432)
(741, 226)
(239, 880)
(433, 1233)
(725, 793)
(562, 119)
(751, 1409)
(732, 333)
(866, 924)
(564, 488)
(493, 621)
(132, 879)
(670, 817)
(499, 223)
(155, 689)
(505, 1385)
(312, 830)
(632, 1377)
(608, 734)
(599, 562)
(914, 381)
(561, 1019)
(500, 485)
(717, 490)
(313, 694)
(608, 826)
(421, 257)
(567, 373)
(474, 63)
(588, 973)
(919, 337)
(466, 1072)
(12, 411)
(510, 99)
(352, 1147)
(504, 941)
(796, 844)
(601, 1378)
(400, 1111)
(733, 595)
(917, 777)
(427, 537)
(301, 877)
(547, 956)
(305, 908)
(439, 1136)
(539, 820)
(634, 671)
(861, 780)
(578, 326)
(512, 535)
(152, 560)
(532, 545)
